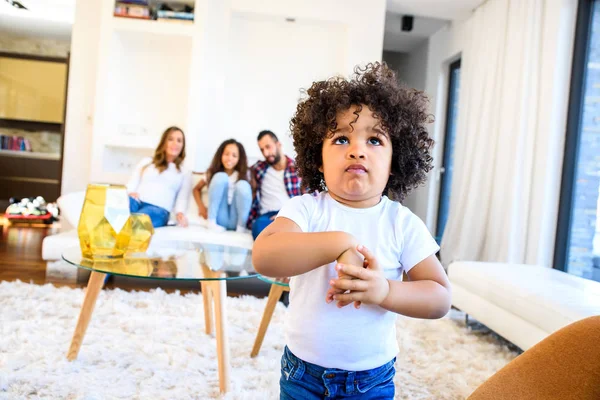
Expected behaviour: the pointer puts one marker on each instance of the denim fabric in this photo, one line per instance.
(158, 215)
(261, 223)
(228, 215)
(306, 381)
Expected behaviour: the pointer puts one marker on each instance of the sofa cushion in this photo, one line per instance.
(54, 245)
(70, 206)
(548, 298)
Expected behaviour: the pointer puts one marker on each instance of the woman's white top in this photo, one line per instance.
(169, 189)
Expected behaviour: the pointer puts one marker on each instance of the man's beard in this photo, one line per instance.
(276, 159)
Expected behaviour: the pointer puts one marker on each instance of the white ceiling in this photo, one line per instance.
(53, 19)
(440, 9)
(429, 17)
(50, 19)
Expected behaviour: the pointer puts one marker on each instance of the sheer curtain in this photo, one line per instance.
(511, 125)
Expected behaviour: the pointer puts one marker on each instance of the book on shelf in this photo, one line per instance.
(14, 143)
(177, 15)
(132, 10)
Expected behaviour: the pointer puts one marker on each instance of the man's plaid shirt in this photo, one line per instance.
(290, 179)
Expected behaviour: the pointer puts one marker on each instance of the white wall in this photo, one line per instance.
(411, 68)
(352, 32)
(253, 83)
(262, 91)
(80, 97)
(145, 85)
(443, 48)
(414, 72)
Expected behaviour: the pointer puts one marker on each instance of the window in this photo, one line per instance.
(448, 157)
(578, 234)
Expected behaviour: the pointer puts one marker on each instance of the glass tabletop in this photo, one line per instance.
(285, 282)
(174, 261)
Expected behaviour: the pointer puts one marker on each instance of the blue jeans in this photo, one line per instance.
(306, 381)
(228, 215)
(261, 223)
(158, 215)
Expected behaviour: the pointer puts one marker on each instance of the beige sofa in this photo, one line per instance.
(522, 303)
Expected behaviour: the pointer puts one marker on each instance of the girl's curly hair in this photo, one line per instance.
(401, 111)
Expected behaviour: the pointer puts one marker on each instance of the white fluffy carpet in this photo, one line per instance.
(142, 345)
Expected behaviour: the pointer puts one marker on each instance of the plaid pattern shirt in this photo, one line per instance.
(290, 179)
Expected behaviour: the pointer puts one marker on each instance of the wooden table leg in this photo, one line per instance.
(274, 295)
(208, 306)
(94, 286)
(219, 289)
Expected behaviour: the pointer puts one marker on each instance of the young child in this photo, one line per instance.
(360, 143)
(229, 192)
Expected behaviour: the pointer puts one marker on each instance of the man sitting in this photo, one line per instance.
(274, 180)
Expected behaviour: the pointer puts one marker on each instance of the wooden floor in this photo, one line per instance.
(21, 258)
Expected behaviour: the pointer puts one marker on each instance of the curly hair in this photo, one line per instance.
(401, 111)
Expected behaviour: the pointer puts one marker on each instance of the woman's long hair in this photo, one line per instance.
(160, 154)
(217, 164)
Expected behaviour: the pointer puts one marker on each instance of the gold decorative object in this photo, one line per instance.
(141, 233)
(104, 225)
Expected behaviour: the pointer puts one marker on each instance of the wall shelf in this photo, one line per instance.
(29, 154)
(131, 143)
(30, 125)
(151, 26)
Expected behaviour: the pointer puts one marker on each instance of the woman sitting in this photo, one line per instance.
(229, 192)
(161, 184)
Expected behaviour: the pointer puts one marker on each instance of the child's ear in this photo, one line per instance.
(321, 169)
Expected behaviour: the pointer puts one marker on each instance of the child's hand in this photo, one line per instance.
(352, 257)
(368, 285)
(203, 212)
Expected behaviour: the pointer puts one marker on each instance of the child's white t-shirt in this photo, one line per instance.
(347, 338)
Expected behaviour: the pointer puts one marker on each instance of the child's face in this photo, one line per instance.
(230, 156)
(357, 159)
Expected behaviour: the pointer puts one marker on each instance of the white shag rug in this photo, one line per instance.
(152, 345)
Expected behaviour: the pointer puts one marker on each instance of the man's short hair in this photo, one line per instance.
(264, 133)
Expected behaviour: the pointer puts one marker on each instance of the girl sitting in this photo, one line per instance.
(229, 192)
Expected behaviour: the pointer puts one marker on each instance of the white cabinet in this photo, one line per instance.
(143, 86)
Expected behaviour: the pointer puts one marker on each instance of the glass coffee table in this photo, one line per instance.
(210, 264)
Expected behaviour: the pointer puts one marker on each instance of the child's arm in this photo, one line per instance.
(426, 295)
(283, 250)
(198, 198)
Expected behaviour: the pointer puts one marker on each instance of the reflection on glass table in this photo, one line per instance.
(210, 264)
(173, 260)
